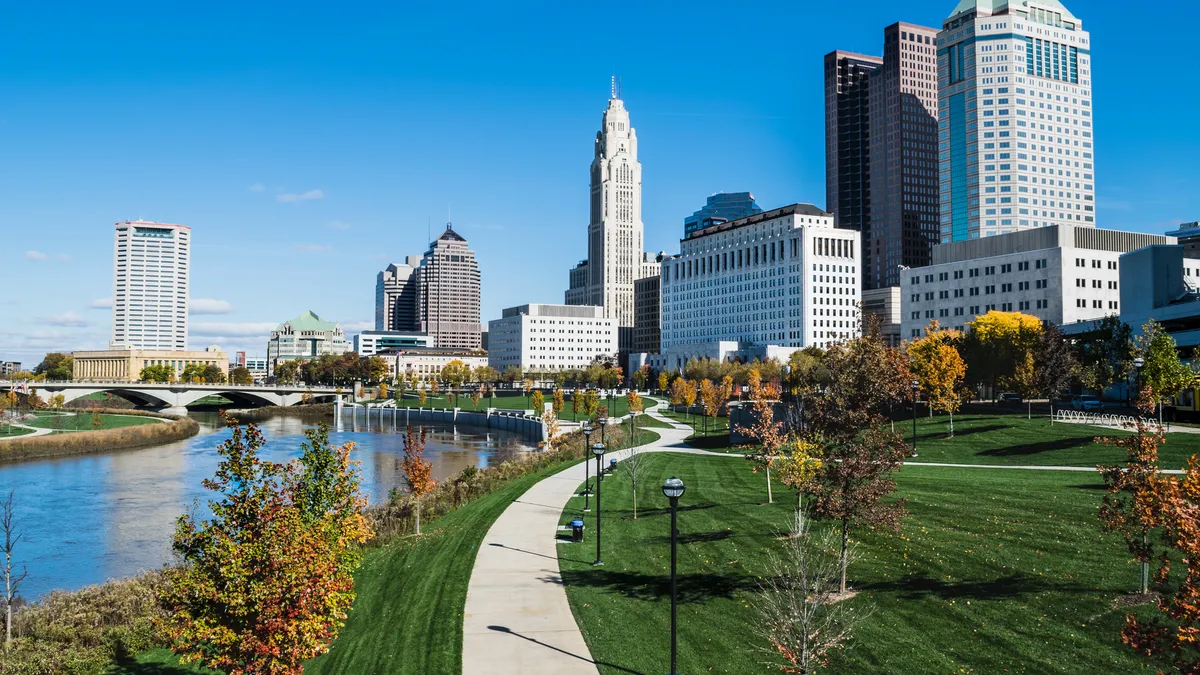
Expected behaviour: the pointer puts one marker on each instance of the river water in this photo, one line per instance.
(109, 515)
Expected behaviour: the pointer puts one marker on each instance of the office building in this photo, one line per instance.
(647, 313)
(9, 367)
(371, 342)
(1187, 235)
(125, 364)
(721, 207)
(882, 150)
(396, 296)
(426, 363)
(1061, 274)
(1015, 119)
(448, 293)
(551, 337)
(785, 278)
(151, 265)
(885, 306)
(305, 337)
(614, 258)
(1162, 283)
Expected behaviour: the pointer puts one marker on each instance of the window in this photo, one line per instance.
(1006, 268)
(1006, 288)
(974, 272)
(990, 269)
(958, 274)
(1023, 266)
(1040, 283)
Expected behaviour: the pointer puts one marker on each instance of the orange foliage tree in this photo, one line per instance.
(418, 471)
(766, 431)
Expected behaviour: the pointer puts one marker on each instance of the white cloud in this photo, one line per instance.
(339, 225)
(225, 329)
(257, 187)
(66, 319)
(209, 306)
(299, 196)
(101, 303)
(312, 248)
(35, 255)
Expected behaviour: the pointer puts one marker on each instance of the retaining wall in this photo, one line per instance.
(531, 428)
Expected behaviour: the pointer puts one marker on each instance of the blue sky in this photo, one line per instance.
(308, 145)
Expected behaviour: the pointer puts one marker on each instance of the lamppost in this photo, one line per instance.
(673, 488)
(1145, 585)
(603, 439)
(916, 386)
(598, 451)
(587, 491)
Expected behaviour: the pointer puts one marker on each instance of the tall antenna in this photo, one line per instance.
(613, 87)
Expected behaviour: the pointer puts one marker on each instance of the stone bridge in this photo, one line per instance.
(181, 395)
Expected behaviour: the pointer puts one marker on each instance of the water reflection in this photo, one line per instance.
(109, 515)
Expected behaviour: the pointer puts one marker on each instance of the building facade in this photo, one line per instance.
(426, 363)
(126, 364)
(305, 337)
(1061, 274)
(371, 342)
(10, 367)
(396, 296)
(647, 320)
(151, 269)
(885, 305)
(1187, 235)
(721, 207)
(551, 337)
(615, 230)
(1014, 119)
(847, 137)
(784, 277)
(448, 293)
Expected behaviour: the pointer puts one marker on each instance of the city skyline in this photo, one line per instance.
(272, 201)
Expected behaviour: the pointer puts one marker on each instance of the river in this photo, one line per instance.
(107, 515)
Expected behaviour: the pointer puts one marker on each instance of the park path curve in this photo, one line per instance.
(517, 619)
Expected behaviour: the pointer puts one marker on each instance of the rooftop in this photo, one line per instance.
(308, 321)
(992, 7)
(793, 209)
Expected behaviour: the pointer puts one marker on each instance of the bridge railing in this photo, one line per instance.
(205, 385)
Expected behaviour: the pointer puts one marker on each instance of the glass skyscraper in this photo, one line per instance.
(721, 207)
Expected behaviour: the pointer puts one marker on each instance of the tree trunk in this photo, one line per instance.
(951, 424)
(845, 544)
(635, 501)
(769, 499)
(417, 501)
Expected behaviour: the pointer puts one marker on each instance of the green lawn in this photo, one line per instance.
(994, 571)
(411, 593)
(67, 422)
(7, 431)
(510, 401)
(648, 422)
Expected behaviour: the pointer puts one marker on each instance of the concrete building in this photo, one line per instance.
(9, 367)
(721, 207)
(305, 337)
(371, 342)
(448, 293)
(1014, 119)
(151, 266)
(885, 305)
(551, 337)
(785, 278)
(1061, 274)
(647, 315)
(426, 363)
(125, 364)
(396, 296)
(882, 150)
(1188, 236)
(615, 230)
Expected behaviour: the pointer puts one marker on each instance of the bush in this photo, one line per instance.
(104, 440)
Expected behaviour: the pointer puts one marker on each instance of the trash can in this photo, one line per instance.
(612, 465)
(576, 531)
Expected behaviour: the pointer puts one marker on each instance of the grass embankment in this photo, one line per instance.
(71, 422)
(994, 571)
(104, 440)
(617, 407)
(648, 422)
(10, 431)
(314, 411)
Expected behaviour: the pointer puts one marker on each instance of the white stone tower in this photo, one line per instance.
(151, 269)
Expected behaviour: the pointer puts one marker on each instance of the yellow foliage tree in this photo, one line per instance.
(939, 369)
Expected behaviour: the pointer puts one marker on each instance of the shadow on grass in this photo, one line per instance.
(978, 430)
(702, 537)
(1037, 448)
(692, 588)
(709, 442)
(917, 587)
(126, 664)
(667, 510)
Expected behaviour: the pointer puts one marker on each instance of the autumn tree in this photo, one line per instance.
(455, 373)
(591, 402)
(383, 390)
(939, 369)
(418, 470)
(639, 377)
(475, 396)
(1163, 373)
(994, 342)
(557, 403)
(56, 366)
(766, 431)
(539, 402)
(241, 375)
(267, 582)
(634, 465)
(421, 397)
(550, 421)
(676, 393)
(689, 395)
(286, 371)
(709, 401)
(798, 465)
(577, 404)
(663, 379)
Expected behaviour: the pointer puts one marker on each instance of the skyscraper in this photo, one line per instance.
(151, 266)
(448, 293)
(1015, 118)
(396, 296)
(614, 259)
(721, 207)
(881, 150)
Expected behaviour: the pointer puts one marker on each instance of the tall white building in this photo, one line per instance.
(151, 266)
(614, 259)
(1061, 274)
(784, 277)
(1014, 118)
(396, 295)
(550, 337)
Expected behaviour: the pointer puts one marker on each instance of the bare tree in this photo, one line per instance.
(635, 468)
(803, 616)
(12, 581)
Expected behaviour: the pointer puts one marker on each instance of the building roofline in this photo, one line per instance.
(791, 209)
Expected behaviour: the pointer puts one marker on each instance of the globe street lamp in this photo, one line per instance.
(916, 386)
(587, 490)
(673, 488)
(598, 451)
(603, 439)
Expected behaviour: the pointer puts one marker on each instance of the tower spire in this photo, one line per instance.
(613, 87)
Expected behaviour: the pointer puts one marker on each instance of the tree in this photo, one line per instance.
(287, 371)
(268, 581)
(550, 420)
(12, 579)
(576, 404)
(512, 374)
(1105, 354)
(486, 375)
(591, 402)
(634, 467)
(241, 375)
(994, 342)
(797, 466)
(212, 374)
(557, 402)
(421, 398)
(539, 402)
(639, 377)
(800, 617)
(374, 369)
(1054, 364)
(383, 390)
(192, 372)
(475, 396)
(159, 373)
(528, 386)
(56, 366)
(1163, 373)
(662, 381)
(939, 369)
(766, 431)
(418, 471)
(455, 373)
(689, 395)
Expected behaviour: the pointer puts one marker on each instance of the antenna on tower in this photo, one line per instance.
(619, 87)
(613, 87)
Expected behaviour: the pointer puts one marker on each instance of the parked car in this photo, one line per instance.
(1010, 398)
(1086, 403)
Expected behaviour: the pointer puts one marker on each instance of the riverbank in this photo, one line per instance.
(46, 446)
(317, 412)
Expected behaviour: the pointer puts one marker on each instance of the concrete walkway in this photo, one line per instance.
(517, 619)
